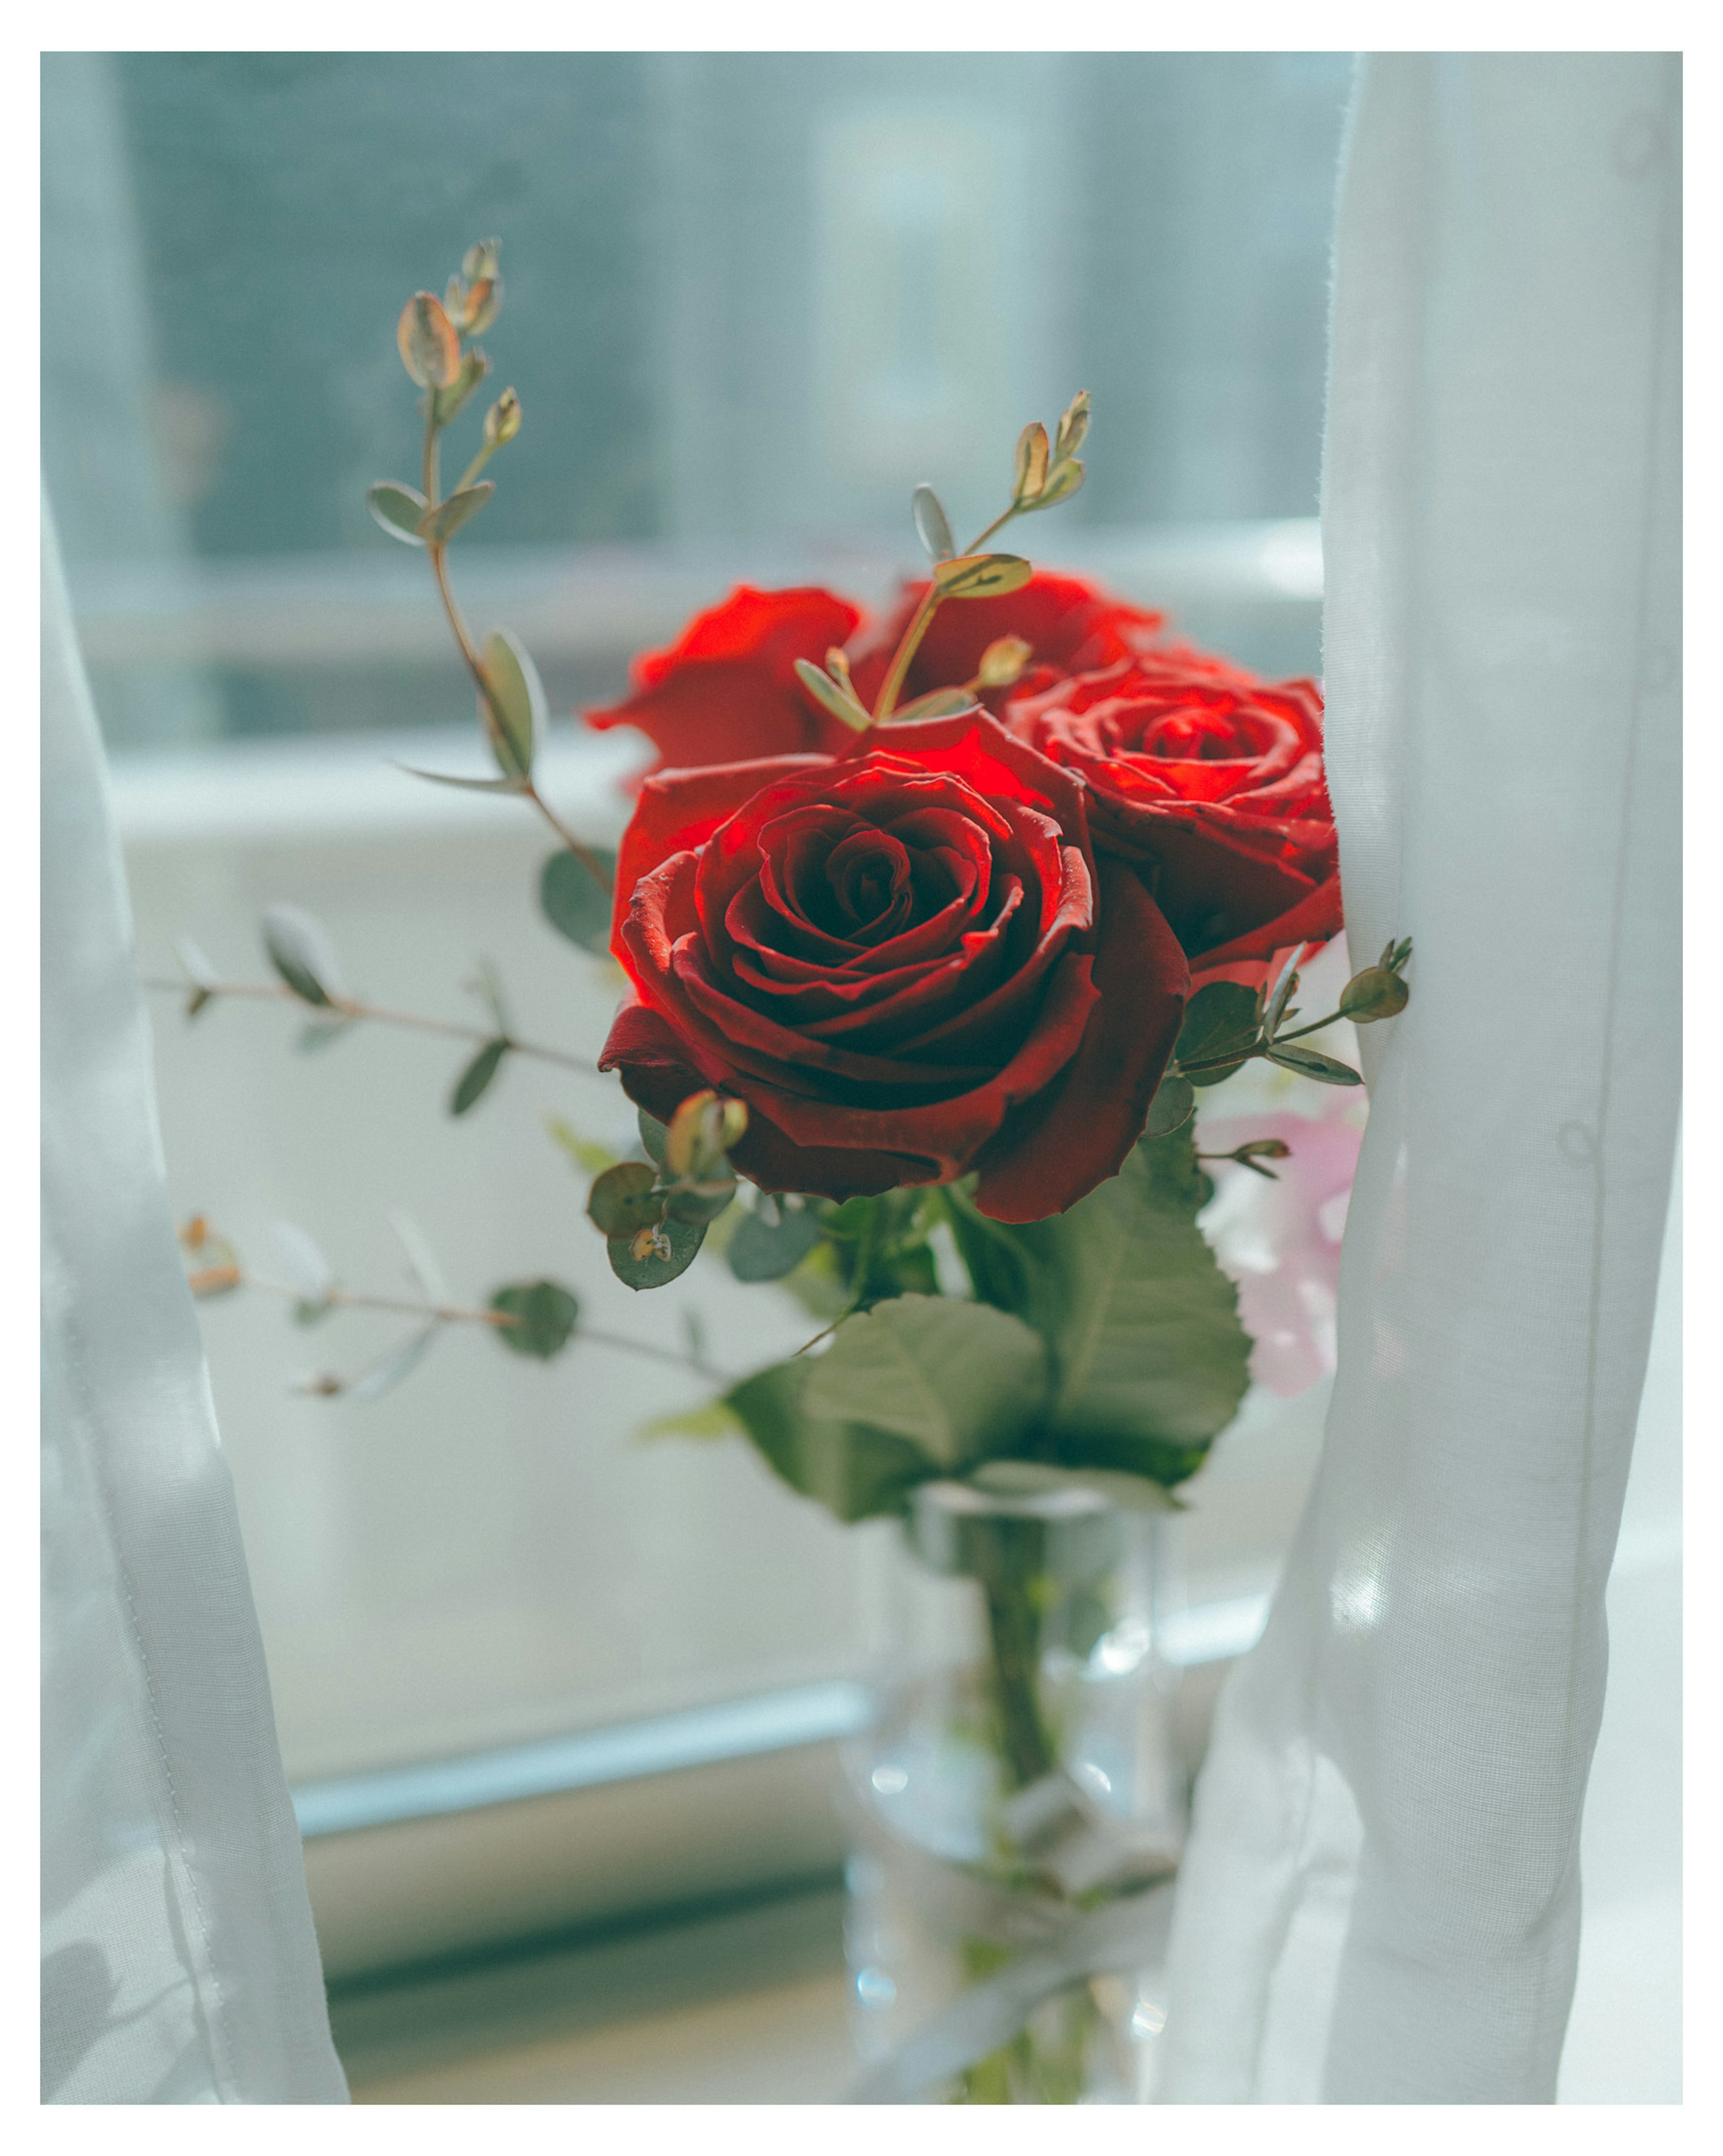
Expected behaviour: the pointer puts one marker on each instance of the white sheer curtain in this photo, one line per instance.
(179, 1962)
(1381, 1899)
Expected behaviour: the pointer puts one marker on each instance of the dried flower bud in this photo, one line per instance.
(1003, 662)
(502, 422)
(1073, 427)
(481, 260)
(1374, 993)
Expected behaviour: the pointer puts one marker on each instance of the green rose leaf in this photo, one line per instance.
(856, 1472)
(474, 1082)
(1149, 1359)
(957, 1380)
(546, 1315)
(573, 900)
(997, 1265)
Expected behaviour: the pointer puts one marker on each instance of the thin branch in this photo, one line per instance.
(350, 1007)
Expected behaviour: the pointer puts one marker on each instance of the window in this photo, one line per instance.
(752, 300)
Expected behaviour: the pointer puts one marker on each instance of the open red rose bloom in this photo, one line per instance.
(955, 944)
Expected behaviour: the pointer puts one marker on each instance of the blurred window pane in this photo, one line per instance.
(752, 300)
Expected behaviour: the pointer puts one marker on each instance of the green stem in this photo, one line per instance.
(1013, 1654)
(885, 702)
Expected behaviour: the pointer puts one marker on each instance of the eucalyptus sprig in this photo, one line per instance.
(653, 1213)
(303, 956)
(1226, 1026)
(537, 1318)
(431, 337)
(1043, 473)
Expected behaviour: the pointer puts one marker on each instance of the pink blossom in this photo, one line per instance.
(1280, 1241)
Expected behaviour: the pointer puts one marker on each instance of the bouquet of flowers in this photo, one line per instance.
(935, 928)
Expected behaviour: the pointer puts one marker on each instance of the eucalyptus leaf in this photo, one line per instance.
(384, 1375)
(474, 368)
(421, 1260)
(703, 1203)
(574, 901)
(546, 1315)
(982, 576)
(937, 704)
(1312, 1063)
(655, 1135)
(933, 527)
(762, 1249)
(715, 1419)
(586, 1153)
(1063, 480)
(438, 525)
(468, 785)
(474, 1082)
(301, 953)
(684, 1237)
(513, 714)
(957, 1380)
(1030, 473)
(322, 1033)
(857, 1473)
(1150, 1358)
(309, 1272)
(1275, 1009)
(623, 1199)
(833, 696)
(398, 508)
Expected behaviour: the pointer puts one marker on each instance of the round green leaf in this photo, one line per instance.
(621, 1200)
(546, 1313)
(440, 525)
(398, 508)
(684, 1237)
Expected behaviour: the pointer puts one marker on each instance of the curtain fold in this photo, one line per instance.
(178, 1960)
(1380, 1902)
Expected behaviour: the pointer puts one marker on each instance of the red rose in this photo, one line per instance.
(908, 961)
(1211, 782)
(1070, 626)
(726, 691)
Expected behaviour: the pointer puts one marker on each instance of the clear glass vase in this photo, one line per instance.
(1019, 1807)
